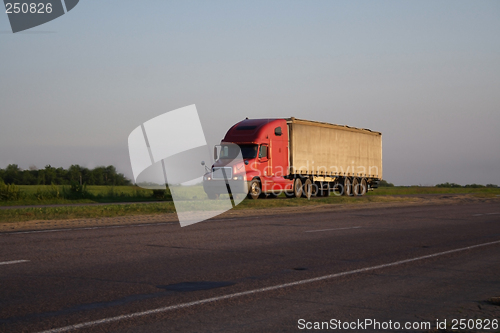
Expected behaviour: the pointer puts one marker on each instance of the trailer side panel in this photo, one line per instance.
(326, 149)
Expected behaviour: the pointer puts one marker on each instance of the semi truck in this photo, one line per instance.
(300, 158)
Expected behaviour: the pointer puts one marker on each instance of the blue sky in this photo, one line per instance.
(424, 73)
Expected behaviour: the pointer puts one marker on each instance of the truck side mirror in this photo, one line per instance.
(202, 162)
(216, 156)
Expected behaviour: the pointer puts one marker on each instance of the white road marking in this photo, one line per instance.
(333, 229)
(256, 291)
(485, 214)
(12, 262)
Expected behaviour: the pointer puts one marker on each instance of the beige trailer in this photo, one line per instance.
(327, 152)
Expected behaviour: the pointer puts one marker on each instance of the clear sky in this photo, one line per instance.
(424, 73)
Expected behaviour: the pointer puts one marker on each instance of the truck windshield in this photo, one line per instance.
(231, 151)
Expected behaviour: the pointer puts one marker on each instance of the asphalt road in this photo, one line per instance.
(403, 264)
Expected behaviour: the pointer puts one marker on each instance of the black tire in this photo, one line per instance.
(297, 187)
(347, 184)
(316, 189)
(254, 190)
(356, 187)
(307, 189)
(213, 196)
(325, 191)
(364, 186)
(338, 188)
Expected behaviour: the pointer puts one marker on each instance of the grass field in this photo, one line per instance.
(74, 212)
(94, 189)
(391, 194)
(405, 190)
(57, 194)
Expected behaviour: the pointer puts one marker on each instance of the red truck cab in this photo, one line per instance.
(265, 152)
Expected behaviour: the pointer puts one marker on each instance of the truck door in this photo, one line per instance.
(279, 151)
(264, 160)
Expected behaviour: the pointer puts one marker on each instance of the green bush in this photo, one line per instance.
(448, 185)
(9, 192)
(473, 186)
(159, 194)
(384, 183)
(79, 190)
(52, 193)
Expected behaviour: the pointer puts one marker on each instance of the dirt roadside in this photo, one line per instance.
(389, 201)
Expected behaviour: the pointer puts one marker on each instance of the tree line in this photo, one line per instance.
(75, 174)
(384, 183)
(454, 185)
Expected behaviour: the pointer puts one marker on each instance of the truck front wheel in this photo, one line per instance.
(255, 190)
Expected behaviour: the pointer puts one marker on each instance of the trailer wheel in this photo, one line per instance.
(347, 184)
(364, 187)
(307, 189)
(297, 187)
(356, 187)
(254, 191)
(325, 190)
(213, 196)
(316, 189)
(337, 188)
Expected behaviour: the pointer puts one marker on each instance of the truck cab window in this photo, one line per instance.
(263, 151)
(224, 151)
(232, 151)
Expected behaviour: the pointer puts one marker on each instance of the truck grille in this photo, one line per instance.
(217, 173)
